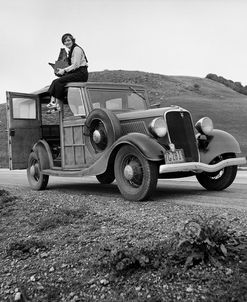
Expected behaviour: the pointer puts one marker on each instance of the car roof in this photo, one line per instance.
(96, 85)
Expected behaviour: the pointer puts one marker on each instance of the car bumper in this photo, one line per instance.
(198, 167)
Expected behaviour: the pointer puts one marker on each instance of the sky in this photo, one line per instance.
(169, 37)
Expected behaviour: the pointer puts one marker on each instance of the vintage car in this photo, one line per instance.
(110, 131)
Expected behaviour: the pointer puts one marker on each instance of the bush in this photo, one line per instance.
(204, 239)
(123, 259)
(208, 240)
(196, 86)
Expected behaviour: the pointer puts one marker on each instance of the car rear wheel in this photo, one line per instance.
(36, 179)
(219, 180)
(136, 176)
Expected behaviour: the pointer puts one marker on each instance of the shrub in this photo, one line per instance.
(123, 259)
(196, 86)
(128, 259)
(204, 239)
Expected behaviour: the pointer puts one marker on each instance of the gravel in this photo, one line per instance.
(52, 244)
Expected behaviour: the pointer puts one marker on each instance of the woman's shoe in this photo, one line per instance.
(52, 110)
(52, 104)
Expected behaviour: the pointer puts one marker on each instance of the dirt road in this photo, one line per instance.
(181, 191)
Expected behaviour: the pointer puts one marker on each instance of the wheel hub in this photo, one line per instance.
(96, 136)
(133, 172)
(34, 170)
(128, 172)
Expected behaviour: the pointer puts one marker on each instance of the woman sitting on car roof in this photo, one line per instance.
(76, 71)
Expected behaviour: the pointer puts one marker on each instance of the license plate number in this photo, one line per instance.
(173, 157)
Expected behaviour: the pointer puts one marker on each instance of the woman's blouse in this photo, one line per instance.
(78, 59)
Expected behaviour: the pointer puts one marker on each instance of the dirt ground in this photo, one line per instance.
(62, 246)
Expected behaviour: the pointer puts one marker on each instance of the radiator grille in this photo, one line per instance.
(133, 127)
(182, 134)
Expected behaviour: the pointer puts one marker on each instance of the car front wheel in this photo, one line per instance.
(219, 180)
(36, 179)
(136, 176)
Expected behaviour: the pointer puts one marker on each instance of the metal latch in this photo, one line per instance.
(12, 132)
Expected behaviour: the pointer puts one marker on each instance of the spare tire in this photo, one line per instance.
(102, 129)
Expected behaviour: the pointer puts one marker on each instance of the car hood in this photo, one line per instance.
(149, 113)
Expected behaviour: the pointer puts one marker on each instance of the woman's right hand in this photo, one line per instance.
(60, 71)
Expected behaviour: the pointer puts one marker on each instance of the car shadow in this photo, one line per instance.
(87, 188)
(168, 191)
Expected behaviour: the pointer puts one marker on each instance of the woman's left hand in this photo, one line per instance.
(60, 71)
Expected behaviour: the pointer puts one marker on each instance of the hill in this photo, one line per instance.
(237, 86)
(202, 96)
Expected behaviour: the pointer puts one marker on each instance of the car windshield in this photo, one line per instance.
(118, 100)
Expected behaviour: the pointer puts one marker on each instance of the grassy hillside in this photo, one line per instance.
(202, 96)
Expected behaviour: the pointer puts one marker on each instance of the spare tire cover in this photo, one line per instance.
(102, 129)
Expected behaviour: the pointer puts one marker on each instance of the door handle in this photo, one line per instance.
(12, 132)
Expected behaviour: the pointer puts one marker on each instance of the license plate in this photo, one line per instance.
(173, 157)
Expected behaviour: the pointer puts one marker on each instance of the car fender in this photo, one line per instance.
(148, 146)
(220, 142)
(42, 149)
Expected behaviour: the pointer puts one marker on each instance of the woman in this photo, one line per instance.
(75, 72)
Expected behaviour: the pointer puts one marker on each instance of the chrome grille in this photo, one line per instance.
(182, 135)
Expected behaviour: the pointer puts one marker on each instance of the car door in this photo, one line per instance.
(24, 127)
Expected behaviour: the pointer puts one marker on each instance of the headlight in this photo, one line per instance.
(158, 127)
(205, 126)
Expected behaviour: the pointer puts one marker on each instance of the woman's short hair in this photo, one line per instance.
(65, 36)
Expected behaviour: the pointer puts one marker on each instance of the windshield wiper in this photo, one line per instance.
(140, 95)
